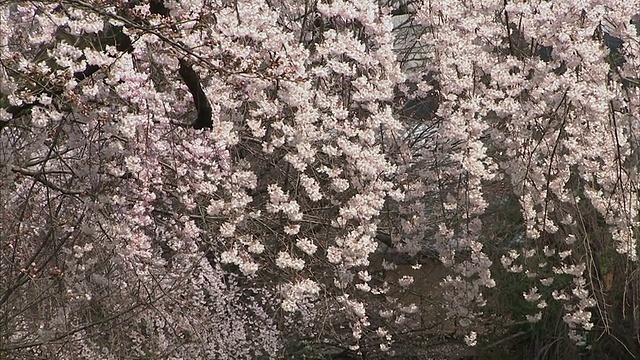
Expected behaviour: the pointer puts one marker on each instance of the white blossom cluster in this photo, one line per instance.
(310, 174)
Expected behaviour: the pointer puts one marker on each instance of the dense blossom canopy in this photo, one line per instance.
(223, 179)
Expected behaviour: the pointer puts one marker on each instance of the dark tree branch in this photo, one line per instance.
(192, 80)
(157, 7)
(40, 177)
